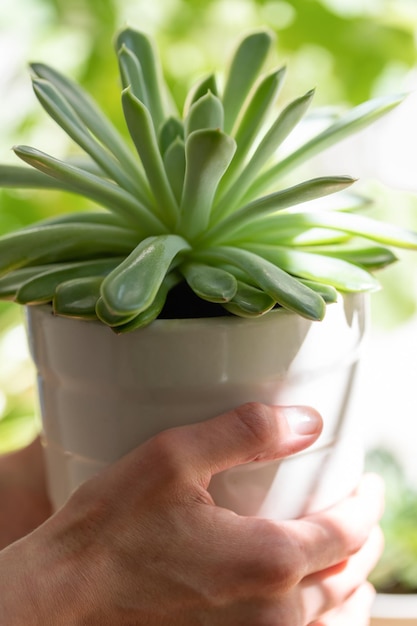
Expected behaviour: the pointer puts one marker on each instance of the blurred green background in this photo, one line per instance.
(349, 50)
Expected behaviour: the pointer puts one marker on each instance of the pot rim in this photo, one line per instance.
(223, 319)
(220, 320)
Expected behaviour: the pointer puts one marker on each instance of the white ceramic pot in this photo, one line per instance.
(394, 610)
(102, 394)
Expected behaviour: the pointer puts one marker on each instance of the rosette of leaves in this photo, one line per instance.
(197, 199)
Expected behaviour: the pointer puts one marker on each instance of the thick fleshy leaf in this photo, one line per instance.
(327, 292)
(16, 176)
(152, 312)
(174, 163)
(132, 75)
(10, 283)
(108, 316)
(63, 114)
(278, 284)
(350, 223)
(133, 285)
(370, 257)
(57, 107)
(210, 283)
(246, 64)
(85, 217)
(171, 130)
(208, 154)
(206, 113)
(143, 49)
(249, 301)
(293, 237)
(253, 117)
(89, 112)
(78, 297)
(62, 242)
(319, 268)
(200, 89)
(276, 134)
(240, 223)
(353, 121)
(144, 137)
(101, 191)
(42, 287)
(374, 230)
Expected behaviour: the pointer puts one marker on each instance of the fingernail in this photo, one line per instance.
(303, 420)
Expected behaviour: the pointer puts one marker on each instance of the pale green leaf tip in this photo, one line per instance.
(261, 33)
(38, 82)
(123, 49)
(35, 68)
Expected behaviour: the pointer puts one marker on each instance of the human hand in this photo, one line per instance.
(142, 543)
(23, 493)
(354, 611)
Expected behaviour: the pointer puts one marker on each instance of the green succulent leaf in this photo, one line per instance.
(77, 297)
(352, 224)
(151, 313)
(353, 121)
(42, 286)
(132, 75)
(10, 283)
(174, 163)
(59, 243)
(200, 89)
(252, 119)
(171, 130)
(101, 191)
(108, 317)
(319, 268)
(293, 237)
(240, 223)
(84, 162)
(249, 301)
(210, 283)
(276, 134)
(104, 218)
(143, 49)
(59, 110)
(329, 294)
(207, 154)
(370, 257)
(88, 111)
(57, 107)
(246, 64)
(16, 176)
(133, 285)
(143, 134)
(278, 284)
(206, 113)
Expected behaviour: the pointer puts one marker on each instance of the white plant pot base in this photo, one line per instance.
(103, 394)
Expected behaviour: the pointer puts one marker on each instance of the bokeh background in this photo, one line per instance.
(349, 50)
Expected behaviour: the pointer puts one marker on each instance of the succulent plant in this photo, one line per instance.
(202, 202)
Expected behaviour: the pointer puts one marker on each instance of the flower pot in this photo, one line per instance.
(394, 610)
(102, 394)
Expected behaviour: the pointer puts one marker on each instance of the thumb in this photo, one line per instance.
(251, 432)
